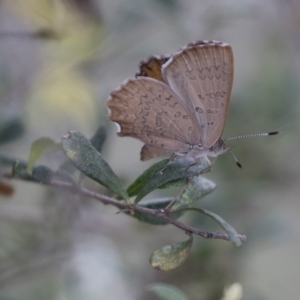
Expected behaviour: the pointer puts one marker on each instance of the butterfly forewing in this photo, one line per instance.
(202, 75)
(150, 111)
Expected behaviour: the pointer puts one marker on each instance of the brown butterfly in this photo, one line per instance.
(177, 104)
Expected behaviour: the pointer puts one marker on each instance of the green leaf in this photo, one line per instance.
(99, 138)
(42, 174)
(40, 147)
(171, 256)
(164, 172)
(90, 162)
(154, 204)
(138, 184)
(234, 237)
(20, 170)
(10, 127)
(197, 189)
(166, 291)
(174, 183)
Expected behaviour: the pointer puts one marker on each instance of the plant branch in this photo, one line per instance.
(158, 213)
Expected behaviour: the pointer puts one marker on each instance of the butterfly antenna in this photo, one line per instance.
(248, 136)
(235, 158)
(252, 135)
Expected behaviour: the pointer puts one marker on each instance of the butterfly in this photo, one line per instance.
(177, 104)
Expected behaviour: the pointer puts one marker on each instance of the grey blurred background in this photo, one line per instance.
(59, 60)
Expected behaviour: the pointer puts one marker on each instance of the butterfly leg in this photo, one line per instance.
(197, 162)
(179, 195)
(160, 172)
(184, 173)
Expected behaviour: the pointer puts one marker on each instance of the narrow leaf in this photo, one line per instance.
(171, 256)
(197, 189)
(164, 172)
(166, 291)
(234, 237)
(11, 128)
(99, 138)
(138, 184)
(42, 174)
(90, 162)
(174, 183)
(40, 147)
(19, 169)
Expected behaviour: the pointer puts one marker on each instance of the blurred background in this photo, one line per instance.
(59, 60)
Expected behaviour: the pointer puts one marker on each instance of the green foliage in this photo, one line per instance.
(197, 189)
(172, 256)
(40, 147)
(40, 174)
(10, 128)
(166, 291)
(90, 162)
(85, 156)
(98, 139)
(20, 170)
(227, 227)
(165, 173)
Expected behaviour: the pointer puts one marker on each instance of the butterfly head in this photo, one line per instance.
(218, 148)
